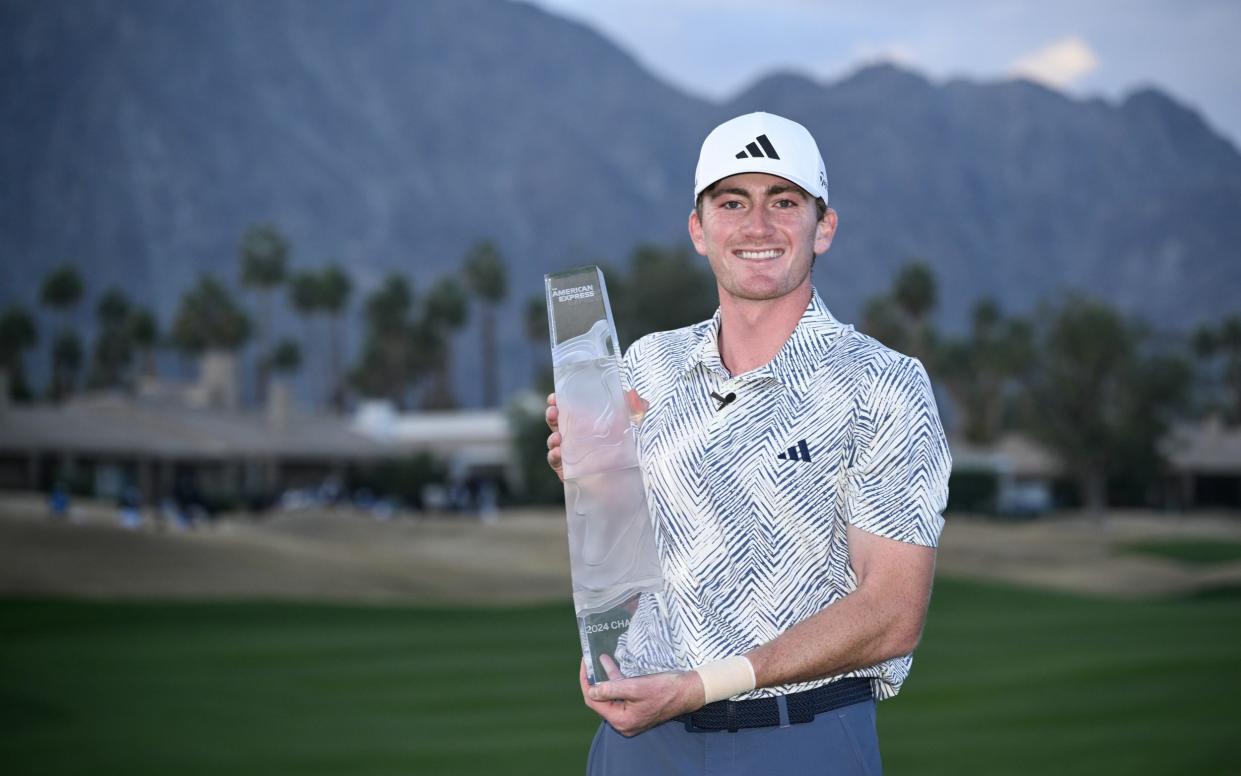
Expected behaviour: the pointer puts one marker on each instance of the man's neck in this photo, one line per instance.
(752, 332)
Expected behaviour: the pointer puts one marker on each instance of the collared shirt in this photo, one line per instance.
(751, 500)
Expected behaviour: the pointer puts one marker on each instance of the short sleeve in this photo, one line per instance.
(627, 364)
(632, 376)
(898, 485)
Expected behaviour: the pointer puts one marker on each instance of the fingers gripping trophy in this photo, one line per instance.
(612, 553)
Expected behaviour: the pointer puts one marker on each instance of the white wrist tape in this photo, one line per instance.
(725, 678)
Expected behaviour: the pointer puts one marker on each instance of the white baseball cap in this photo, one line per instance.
(762, 142)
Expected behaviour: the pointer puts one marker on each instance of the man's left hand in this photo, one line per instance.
(632, 705)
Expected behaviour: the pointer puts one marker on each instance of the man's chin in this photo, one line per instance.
(760, 293)
(760, 289)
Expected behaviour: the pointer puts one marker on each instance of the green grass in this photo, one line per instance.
(287, 689)
(1011, 681)
(1007, 681)
(1190, 551)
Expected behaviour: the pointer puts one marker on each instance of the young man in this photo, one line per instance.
(796, 472)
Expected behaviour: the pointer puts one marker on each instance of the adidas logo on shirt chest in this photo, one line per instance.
(799, 452)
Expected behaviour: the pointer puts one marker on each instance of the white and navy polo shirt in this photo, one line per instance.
(751, 500)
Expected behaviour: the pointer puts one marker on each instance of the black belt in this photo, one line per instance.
(765, 712)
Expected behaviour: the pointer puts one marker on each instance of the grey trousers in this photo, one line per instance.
(837, 743)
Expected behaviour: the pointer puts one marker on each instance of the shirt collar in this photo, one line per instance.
(801, 353)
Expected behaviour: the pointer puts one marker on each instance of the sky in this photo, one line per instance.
(1086, 48)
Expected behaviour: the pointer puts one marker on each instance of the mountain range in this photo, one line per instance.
(143, 137)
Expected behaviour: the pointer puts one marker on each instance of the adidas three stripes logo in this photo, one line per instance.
(801, 452)
(767, 149)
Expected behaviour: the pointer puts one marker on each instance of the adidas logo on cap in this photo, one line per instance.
(755, 151)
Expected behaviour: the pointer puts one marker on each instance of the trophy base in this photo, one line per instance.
(600, 633)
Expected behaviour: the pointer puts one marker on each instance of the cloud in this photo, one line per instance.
(1059, 64)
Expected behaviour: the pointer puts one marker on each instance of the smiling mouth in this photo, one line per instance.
(771, 253)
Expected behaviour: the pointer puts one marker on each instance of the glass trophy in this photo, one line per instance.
(612, 553)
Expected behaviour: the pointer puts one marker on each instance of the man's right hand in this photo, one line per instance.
(552, 416)
(632, 705)
(637, 410)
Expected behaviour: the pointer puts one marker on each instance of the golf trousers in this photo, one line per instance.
(842, 742)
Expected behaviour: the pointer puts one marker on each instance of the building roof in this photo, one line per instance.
(477, 437)
(124, 426)
(1209, 447)
(121, 426)
(1013, 454)
(1206, 448)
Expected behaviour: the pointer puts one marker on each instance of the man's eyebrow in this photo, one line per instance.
(772, 190)
(785, 188)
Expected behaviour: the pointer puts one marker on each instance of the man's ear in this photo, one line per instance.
(695, 233)
(825, 232)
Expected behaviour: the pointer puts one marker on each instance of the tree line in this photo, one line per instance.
(1099, 389)
(125, 331)
(406, 354)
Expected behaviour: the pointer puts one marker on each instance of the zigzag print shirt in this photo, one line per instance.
(751, 501)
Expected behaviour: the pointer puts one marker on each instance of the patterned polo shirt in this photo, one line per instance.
(751, 500)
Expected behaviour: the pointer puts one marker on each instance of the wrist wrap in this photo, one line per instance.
(725, 678)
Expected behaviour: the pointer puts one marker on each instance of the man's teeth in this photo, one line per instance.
(770, 254)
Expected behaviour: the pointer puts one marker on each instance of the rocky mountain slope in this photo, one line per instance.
(141, 139)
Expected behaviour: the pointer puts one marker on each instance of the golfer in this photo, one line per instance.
(796, 473)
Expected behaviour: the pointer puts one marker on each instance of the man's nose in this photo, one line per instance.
(757, 222)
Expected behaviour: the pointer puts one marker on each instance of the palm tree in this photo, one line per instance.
(17, 334)
(915, 293)
(384, 366)
(534, 325)
(306, 296)
(1230, 345)
(335, 287)
(286, 357)
(445, 309)
(209, 322)
(144, 333)
(664, 288)
(389, 305)
(264, 257)
(113, 350)
(487, 279)
(980, 371)
(66, 362)
(1219, 350)
(208, 318)
(284, 360)
(883, 320)
(62, 290)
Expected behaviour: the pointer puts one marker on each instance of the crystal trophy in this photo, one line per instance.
(612, 553)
